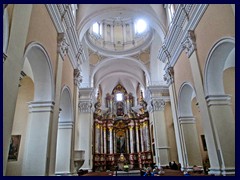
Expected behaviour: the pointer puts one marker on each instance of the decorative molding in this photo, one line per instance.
(218, 100)
(77, 78)
(62, 47)
(189, 43)
(179, 30)
(167, 54)
(67, 25)
(163, 147)
(158, 89)
(199, 10)
(158, 104)
(169, 75)
(41, 106)
(187, 120)
(65, 124)
(85, 106)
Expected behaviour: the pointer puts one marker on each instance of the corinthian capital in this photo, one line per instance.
(85, 106)
(62, 44)
(158, 104)
(189, 43)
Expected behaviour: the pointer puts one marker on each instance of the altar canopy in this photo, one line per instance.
(121, 131)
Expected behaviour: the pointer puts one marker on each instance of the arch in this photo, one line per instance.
(220, 57)
(64, 136)
(188, 130)
(40, 109)
(103, 63)
(186, 95)
(41, 66)
(66, 114)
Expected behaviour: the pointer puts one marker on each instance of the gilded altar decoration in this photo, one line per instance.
(121, 131)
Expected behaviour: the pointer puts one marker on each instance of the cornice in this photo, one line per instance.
(63, 20)
(178, 31)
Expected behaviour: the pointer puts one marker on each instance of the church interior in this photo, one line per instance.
(100, 87)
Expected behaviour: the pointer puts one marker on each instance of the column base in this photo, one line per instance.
(228, 172)
(215, 172)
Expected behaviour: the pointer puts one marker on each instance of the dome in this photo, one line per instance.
(119, 35)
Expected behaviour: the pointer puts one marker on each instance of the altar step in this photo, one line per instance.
(129, 173)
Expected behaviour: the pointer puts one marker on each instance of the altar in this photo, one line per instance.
(121, 132)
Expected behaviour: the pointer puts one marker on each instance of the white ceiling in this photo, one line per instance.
(121, 68)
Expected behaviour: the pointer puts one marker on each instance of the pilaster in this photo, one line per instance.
(64, 146)
(208, 125)
(85, 125)
(40, 115)
(61, 51)
(12, 67)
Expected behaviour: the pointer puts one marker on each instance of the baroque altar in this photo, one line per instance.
(121, 130)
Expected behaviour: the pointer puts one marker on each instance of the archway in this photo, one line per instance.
(64, 137)
(217, 81)
(188, 130)
(40, 111)
(20, 124)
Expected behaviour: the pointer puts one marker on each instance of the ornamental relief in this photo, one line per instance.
(158, 104)
(85, 106)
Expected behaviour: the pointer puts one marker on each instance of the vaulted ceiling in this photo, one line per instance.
(131, 66)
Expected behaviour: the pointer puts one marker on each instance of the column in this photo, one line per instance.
(97, 138)
(104, 139)
(137, 137)
(62, 49)
(191, 151)
(36, 155)
(169, 78)
(11, 71)
(161, 139)
(147, 135)
(114, 142)
(111, 140)
(124, 34)
(127, 137)
(85, 125)
(64, 148)
(131, 27)
(77, 82)
(189, 44)
(131, 138)
(112, 33)
(141, 136)
(101, 140)
(224, 125)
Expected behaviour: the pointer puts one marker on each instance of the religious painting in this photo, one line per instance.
(121, 142)
(14, 148)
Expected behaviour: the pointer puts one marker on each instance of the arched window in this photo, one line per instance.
(140, 26)
(119, 96)
(97, 30)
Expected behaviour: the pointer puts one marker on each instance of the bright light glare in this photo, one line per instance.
(96, 28)
(141, 26)
(119, 97)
